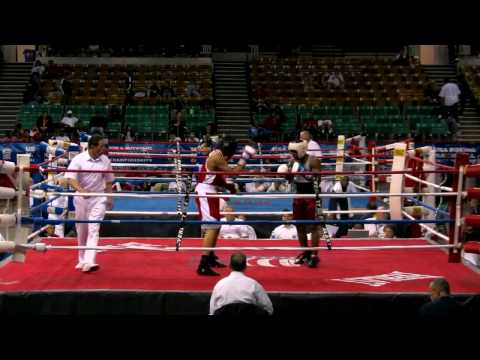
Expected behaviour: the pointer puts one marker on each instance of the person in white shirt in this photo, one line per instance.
(450, 93)
(233, 231)
(313, 148)
(90, 208)
(376, 230)
(285, 231)
(237, 288)
(335, 80)
(69, 123)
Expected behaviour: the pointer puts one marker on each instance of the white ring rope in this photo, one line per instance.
(359, 161)
(444, 188)
(33, 187)
(255, 196)
(44, 247)
(427, 228)
(244, 212)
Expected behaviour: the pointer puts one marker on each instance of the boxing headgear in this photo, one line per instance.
(227, 146)
(299, 147)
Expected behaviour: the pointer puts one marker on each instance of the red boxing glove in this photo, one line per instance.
(231, 188)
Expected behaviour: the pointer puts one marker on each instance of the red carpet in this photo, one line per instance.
(153, 270)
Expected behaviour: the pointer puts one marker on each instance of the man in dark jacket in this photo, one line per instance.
(442, 308)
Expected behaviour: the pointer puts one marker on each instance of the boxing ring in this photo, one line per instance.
(371, 277)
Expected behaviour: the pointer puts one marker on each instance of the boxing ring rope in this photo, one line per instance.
(459, 194)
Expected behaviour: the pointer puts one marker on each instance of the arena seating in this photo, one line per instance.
(472, 76)
(105, 84)
(378, 98)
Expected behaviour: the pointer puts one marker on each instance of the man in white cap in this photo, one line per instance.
(69, 123)
(305, 209)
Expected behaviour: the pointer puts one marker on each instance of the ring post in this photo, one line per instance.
(454, 255)
(23, 161)
(396, 182)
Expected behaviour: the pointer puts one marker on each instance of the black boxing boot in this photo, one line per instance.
(204, 267)
(213, 261)
(303, 257)
(313, 261)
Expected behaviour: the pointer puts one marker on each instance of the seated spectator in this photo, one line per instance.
(389, 232)
(45, 125)
(414, 230)
(192, 137)
(167, 91)
(257, 186)
(69, 124)
(285, 231)
(251, 234)
(128, 135)
(376, 230)
(154, 90)
(335, 80)
(232, 231)
(192, 90)
(443, 308)
(24, 136)
(325, 128)
(231, 294)
(98, 123)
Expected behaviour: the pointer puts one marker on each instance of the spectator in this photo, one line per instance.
(66, 90)
(179, 126)
(45, 125)
(192, 90)
(450, 95)
(344, 203)
(128, 135)
(98, 124)
(38, 69)
(154, 90)
(389, 232)
(285, 231)
(251, 234)
(442, 308)
(257, 186)
(313, 148)
(231, 294)
(335, 80)
(69, 124)
(129, 82)
(167, 91)
(376, 230)
(431, 96)
(232, 231)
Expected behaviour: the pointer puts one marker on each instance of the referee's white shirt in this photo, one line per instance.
(239, 288)
(91, 181)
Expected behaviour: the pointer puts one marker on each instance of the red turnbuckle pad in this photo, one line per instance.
(472, 170)
(472, 247)
(473, 193)
(472, 220)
